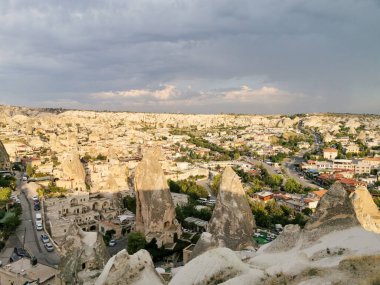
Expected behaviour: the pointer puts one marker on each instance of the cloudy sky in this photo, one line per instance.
(241, 56)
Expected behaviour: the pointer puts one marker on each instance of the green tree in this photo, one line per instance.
(215, 184)
(135, 242)
(5, 194)
(292, 186)
(129, 202)
(11, 223)
(29, 170)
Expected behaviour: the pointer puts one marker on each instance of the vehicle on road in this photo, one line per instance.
(25, 178)
(45, 238)
(49, 247)
(38, 217)
(35, 198)
(112, 242)
(21, 252)
(14, 257)
(37, 207)
(39, 226)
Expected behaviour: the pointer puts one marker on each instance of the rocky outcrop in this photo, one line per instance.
(155, 213)
(125, 269)
(73, 170)
(4, 157)
(216, 266)
(82, 253)
(335, 212)
(366, 210)
(288, 239)
(232, 224)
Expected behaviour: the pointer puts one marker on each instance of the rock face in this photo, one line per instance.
(83, 253)
(215, 267)
(288, 239)
(125, 269)
(155, 211)
(74, 171)
(366, 210)
(232, 224)
(335, 212)
(4, 157)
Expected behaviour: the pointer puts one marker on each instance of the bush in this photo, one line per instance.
(135, 242)
(129, 202)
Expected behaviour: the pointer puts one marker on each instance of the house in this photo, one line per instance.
(330, 153)
(264, 196)
(24, 271)
(352, 148)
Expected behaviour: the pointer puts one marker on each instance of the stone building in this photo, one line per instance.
(82, 208)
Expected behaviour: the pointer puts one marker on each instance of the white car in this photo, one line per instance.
(49, 247)
(35, 198)
(39, 226)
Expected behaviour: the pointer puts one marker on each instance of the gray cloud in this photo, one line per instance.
(58, 53)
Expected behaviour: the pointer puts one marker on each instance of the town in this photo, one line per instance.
(75, 180)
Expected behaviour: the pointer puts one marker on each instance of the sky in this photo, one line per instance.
(215, 56)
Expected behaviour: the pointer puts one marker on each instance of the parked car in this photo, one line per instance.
(21, 252)
(45, 238)
(35, 198)
(49, 247)
(112, 242)
(14, 257)
(37, 207)
(39, 226)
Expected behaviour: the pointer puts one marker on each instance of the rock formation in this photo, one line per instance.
(155, 213)
(335, 212)
(288, 239)
(366, 210)
(83, 255)
(125, 269)
(4, 157)
(73, 171)
(232, 224)
(215, 267)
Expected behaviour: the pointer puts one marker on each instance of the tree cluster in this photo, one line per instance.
(189, 187)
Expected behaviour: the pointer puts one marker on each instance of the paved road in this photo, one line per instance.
(26, 233)
(32, 241)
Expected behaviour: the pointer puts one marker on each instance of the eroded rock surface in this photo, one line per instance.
(287, 239)
(232, 224)
(155, 213)
(215, 267)
(82, 252)
(366, 210)
(125, 269)
(335, 212)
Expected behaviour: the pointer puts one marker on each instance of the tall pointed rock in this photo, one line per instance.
(366, 210)
(232, 224)
(155, 213)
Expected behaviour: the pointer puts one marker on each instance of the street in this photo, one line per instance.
(26, 232)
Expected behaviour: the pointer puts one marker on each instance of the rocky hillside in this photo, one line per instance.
(339, 245)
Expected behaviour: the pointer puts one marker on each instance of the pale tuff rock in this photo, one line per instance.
(125, 269)
(215, 267)
(335, 212)
(366, 210)
(232, 224)
(155, 213)
(4, 157)
(288, 239)
(73, 170)
(82, 251)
